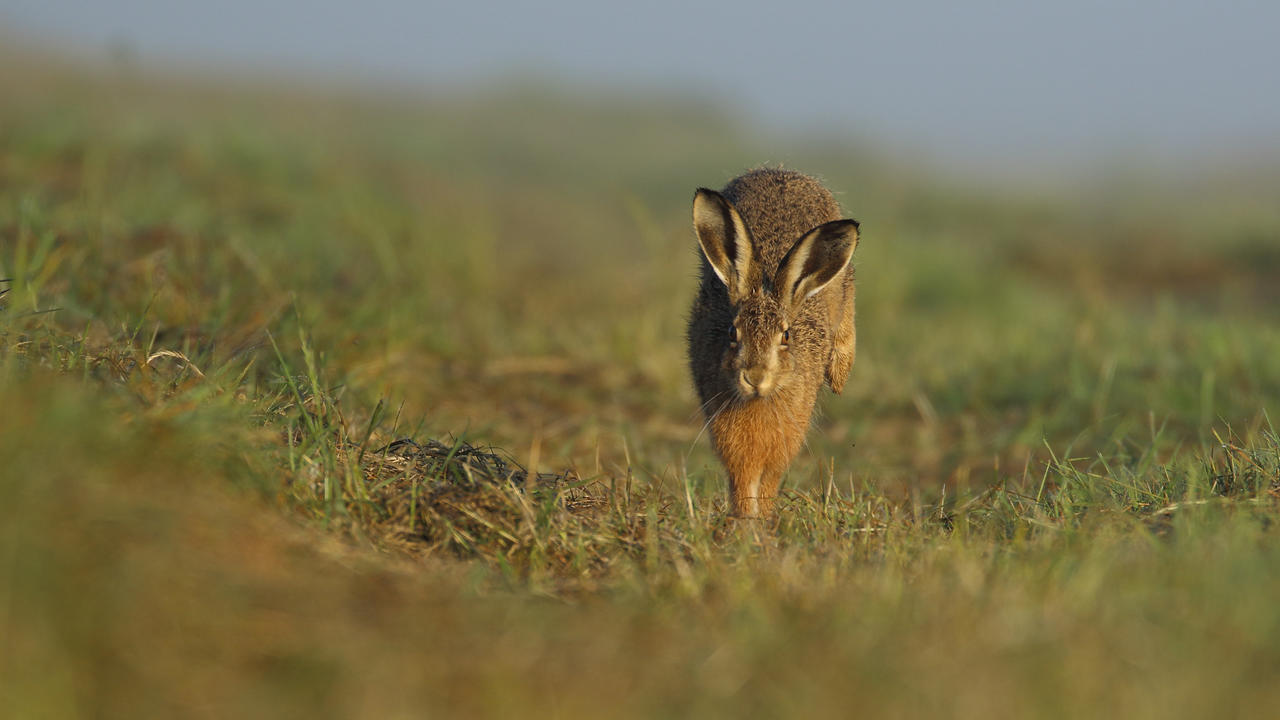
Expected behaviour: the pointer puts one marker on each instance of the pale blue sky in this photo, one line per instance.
(993, 82)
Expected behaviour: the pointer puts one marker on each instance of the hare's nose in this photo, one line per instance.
(755, 379)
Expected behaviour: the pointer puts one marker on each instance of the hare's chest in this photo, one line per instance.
(765, 431)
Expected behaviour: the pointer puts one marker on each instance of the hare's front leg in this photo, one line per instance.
(844, 347)
(745, 495)
(770, 479)
(738, 451)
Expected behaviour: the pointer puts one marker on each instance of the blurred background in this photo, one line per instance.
(481, 209)
(989, 87)
(247, 244)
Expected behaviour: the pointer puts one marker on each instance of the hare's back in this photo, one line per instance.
(779, 206)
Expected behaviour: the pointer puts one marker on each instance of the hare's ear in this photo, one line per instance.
(814, 261)
(724, 240)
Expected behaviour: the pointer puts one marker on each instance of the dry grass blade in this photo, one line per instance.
(430, 493)
(183, 359)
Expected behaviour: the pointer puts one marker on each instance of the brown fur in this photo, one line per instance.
(759, 348)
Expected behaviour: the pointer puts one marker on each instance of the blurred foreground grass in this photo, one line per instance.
(1050, 487)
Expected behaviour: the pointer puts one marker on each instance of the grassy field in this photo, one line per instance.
(327, 404)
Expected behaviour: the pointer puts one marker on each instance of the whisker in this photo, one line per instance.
(707, 424)
(704, 406)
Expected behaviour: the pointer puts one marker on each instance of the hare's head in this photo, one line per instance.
(769, 342)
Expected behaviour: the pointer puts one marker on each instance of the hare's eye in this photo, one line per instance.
(733, 334)
(786, 336)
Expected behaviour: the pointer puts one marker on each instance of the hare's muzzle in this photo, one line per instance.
(754, 382)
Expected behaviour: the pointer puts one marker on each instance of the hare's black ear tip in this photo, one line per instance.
(845, 231)
(846, 227)
(708, 202)
(853, 230)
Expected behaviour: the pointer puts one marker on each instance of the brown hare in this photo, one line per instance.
(773, 317)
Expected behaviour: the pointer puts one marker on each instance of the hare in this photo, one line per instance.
(772, 319)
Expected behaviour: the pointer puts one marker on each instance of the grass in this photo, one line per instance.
(337, 405)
